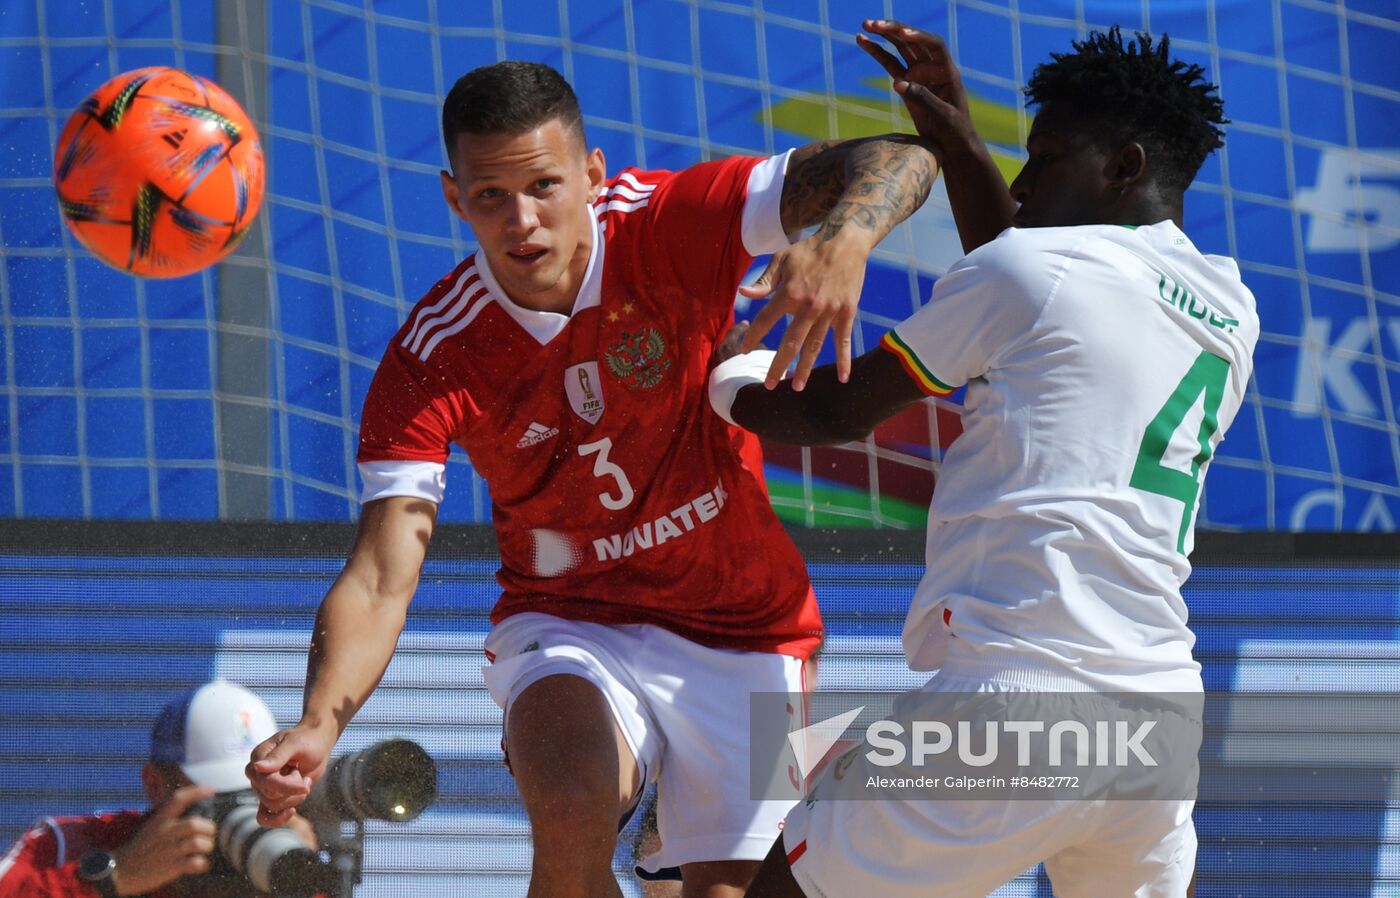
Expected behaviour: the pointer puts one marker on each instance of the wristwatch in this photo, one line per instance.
(96, 868)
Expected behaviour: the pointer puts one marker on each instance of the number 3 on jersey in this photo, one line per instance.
(604, 468)
(1207, 375)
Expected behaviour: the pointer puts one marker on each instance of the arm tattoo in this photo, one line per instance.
(871, 184)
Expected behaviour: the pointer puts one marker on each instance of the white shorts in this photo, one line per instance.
(684, 710)
(967, 848)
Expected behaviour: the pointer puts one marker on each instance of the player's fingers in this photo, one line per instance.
(762, 285)
(940, 55)
(732, 344)
(270, 754)
(180, 801)
(194, 864)
(924, 97)
(763, 322)
(886, 28)
(276, 813)
(284, 785)
(276, 778)
(913, 44)
(901, 36)
(886, 60)
(842, 326)
(811, 348)
(276, 766)
(788, 350)
(271, 817)
(198, 826)
(769, 284)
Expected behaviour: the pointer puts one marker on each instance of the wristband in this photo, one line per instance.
(736, 372)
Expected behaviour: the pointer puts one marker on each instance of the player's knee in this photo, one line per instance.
(572, 832)
(571, 880)
(774, 878)
(717, 879)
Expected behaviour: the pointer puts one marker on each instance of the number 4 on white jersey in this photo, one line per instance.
(1207, 375)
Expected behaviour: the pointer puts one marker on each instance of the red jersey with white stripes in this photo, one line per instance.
(619, 496)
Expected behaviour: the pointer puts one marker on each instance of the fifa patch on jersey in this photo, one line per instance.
(639, 359)
(536, 433)
(585, 391)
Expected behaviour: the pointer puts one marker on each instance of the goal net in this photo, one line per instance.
(234, 393)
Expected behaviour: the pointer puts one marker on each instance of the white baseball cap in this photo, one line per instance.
(209, 733)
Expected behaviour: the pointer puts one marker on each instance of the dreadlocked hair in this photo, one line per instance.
(1136, 93)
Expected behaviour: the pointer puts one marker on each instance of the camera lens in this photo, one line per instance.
(393, 780)
(273, 859)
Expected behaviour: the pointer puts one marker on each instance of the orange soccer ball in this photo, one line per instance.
(159, 172)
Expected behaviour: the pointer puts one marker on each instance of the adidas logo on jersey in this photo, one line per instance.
(536, 433)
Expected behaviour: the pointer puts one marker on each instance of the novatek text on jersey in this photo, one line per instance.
(700, 510)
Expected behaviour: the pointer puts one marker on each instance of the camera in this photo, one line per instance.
(393, 780)
(272, 859)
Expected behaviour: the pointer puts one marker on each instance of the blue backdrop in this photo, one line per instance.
(109, 382)
(92, 645)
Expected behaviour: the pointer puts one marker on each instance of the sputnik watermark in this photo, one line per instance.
(1285, 748)
(1110, 744)
(1030, 745)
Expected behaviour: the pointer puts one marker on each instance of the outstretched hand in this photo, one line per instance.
(818, 282)
(927, 79)
(283, 769)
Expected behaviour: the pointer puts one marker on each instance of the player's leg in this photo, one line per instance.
(717, 879)
(648, 842)
(846, 839)
(577, 777)
(710, 825)
(730, 879)
(1146, 849)
(578, 739)
(774, 879)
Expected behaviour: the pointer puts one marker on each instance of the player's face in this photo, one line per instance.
(528, 199)
(1066, 179)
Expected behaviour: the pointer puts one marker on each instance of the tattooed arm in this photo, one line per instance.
(871, 184)
(856, 191)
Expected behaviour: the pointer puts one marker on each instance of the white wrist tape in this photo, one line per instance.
(736, 372)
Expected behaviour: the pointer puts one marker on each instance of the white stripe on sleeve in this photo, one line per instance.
(420, 479)
(762, 225)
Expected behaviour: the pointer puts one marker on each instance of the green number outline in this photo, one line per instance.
(1207, 375)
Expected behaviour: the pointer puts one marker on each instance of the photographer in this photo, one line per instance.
(199, 746)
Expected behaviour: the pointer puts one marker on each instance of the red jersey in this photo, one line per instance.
(44, 864)
(618, 495)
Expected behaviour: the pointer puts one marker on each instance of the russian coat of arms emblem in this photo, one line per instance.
(638, 359)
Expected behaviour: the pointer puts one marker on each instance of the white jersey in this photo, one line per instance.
(1103, 365)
